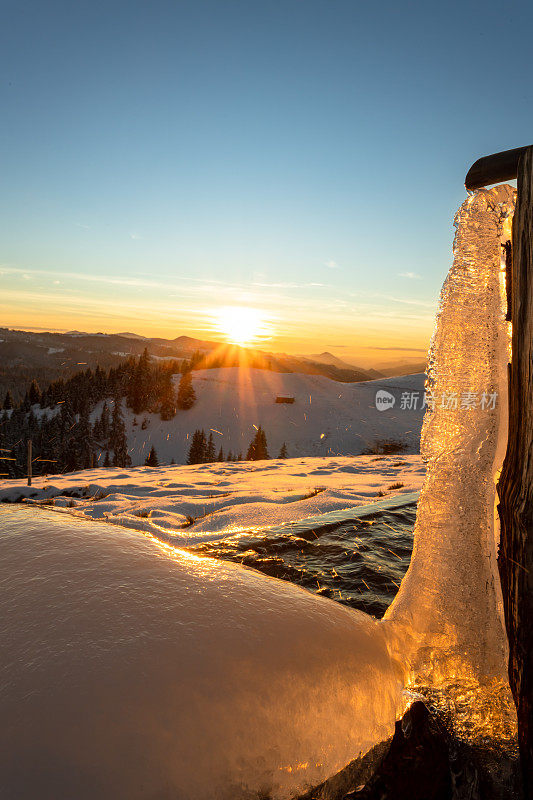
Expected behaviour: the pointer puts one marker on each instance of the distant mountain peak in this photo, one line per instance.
(129, 335)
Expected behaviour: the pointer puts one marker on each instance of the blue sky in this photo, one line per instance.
(163, 159)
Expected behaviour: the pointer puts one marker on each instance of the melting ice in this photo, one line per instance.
(449, 605)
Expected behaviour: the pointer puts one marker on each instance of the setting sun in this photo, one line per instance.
(241, 324)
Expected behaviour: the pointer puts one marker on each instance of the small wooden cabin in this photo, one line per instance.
(281, 399)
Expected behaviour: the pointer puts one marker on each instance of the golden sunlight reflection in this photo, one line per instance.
(478, 713)
(242, 324)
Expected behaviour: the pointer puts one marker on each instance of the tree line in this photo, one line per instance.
(203, 450)
(58, 419)
(146, 385)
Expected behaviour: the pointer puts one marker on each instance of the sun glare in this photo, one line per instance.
(241, 324)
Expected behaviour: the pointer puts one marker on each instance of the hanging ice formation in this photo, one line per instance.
(447, 617)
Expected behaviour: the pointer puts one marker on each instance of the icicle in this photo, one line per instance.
(447, 618)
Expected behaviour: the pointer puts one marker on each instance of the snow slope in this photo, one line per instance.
(186, 504)
(327, 418)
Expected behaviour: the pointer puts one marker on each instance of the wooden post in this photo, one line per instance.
(29, 462)
(515, 488)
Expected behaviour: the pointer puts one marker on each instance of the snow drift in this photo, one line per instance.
(132, 670)
(184, 505)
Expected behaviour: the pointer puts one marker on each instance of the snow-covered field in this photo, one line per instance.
(187, 504)
(327, 417)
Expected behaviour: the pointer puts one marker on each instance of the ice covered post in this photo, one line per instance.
(515, 487)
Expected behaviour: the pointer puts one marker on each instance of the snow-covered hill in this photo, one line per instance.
(327, 418)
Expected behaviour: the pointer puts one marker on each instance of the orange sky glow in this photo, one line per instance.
(368, 335)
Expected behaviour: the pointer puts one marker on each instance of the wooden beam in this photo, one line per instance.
(515, 487)
(494, 169)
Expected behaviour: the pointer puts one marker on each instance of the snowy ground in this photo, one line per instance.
(327, 417)
(187, 504)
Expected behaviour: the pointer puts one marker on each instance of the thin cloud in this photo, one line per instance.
(402, 349)
(286, 285)
(412, 276)
(331, 264)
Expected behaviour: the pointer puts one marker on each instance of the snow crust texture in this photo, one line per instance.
(449, 610)
(189, 504)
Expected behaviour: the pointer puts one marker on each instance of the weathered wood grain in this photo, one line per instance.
(515, 488)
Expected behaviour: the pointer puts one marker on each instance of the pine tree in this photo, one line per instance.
(106, 459)
(117, 438)
(83, 440)
(32, 426)
(105, 425)
(168, 399)
(257, 450)
(283, 453)
(220, 456)
(210, 454)
(230, 456)
(197, 450)
(262, 450)
(35, 395)
(152, 459)
(250, 453)
(102, 426)
(186, 394)
(196, 359)
(100, 384)
(139, 394)
(67, 437)
(8, 401)
(97, 431)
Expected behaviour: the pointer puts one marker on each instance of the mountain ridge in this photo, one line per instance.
(48, 356)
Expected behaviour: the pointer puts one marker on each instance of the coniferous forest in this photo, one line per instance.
(58, 418)
(66, 436)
